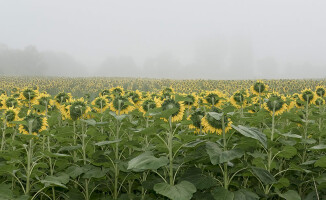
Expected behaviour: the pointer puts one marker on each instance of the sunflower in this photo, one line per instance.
(77, 109)
(211, 125)
(319, 101)
(290, 101)
(166, 93)
(275, 103)
(61, 99)
(135, 97)
(10, 115)
(196, 118)
(238, 99)
(100, 104)
(320, 91)
(148, 104)
(29, 95)
(35, 124)
(44, 100)
(254, 105)
(8, 102)
(105, 93)
(171, 103)
(259, 87)
(308, 96)
(214, 98)
(297, 101)
(193, 100)
(121, 105)
(2, 92)
(117, 91)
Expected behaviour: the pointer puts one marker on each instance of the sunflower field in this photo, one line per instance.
(205, 140)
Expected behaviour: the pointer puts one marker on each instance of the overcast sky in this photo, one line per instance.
(213, 39)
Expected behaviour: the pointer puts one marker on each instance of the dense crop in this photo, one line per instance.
(246, 144)
(93, 85)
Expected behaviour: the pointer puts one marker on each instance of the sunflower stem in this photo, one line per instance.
(3, 139)
(225, 171)
(170, 146)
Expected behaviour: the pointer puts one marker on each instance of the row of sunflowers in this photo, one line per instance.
(253, 143)
(93, 85)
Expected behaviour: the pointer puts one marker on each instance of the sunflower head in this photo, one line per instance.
(171, 104)
(2, 92)
(10, 102)
(43, 99)
(29, 94)
(34, 124)
(166, 93)
(196, 118)
(100, 104)
(14, 90)
(78, 109)
(121, 105)
(105, 92)
(212, 125)
(308, 96)
(259, 87)
(62, 98)
(193, 100)
(320, 91)
(238, 99)
(117, 91)
(319, 101)
(275, 103)
(148, 104)
(135, 97)
(214, 98)
(10, 115)
(254, 105)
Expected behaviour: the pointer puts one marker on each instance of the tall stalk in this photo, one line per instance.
(170, 148)
(225, 171)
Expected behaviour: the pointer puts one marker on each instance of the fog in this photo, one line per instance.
(180, 39)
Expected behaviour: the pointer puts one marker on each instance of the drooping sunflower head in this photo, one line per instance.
(43, 99)
(117, 91)
(10, 115)
(275, 103)
(171, 104)
(105, 92)
(166, 93)
(308, 96)
(35, 124)
(148, 104)
(212, 125)
(62, 98)
(29, 94)
(14, 90)
(290, 102)
(135, 97)
(214, 98)
(320, 91)
(259, 88)
(2, 92)
(10, 102)
(319, 101)
(238, 99)
(192, 100)
(78, 109)
(196, 119)
(253, 105)
(121, 105)
(100, 104)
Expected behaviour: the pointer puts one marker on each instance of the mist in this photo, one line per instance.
(185, 39)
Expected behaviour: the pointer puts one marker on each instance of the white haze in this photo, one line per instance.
(230, 39)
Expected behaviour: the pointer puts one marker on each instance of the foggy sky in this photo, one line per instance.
(215, 39)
